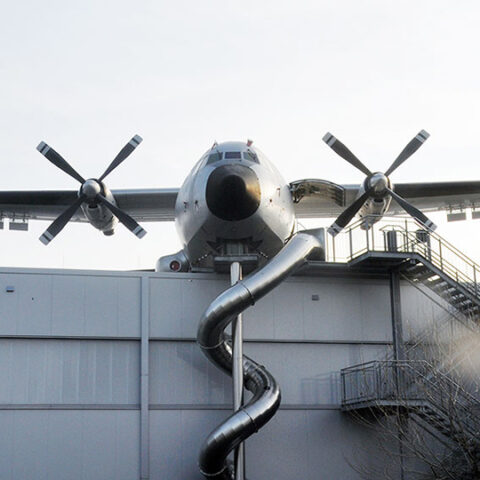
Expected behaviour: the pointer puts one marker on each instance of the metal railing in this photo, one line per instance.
(404, 235)
(412, 385)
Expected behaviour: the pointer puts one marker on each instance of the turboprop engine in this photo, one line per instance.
(377, 191)
(95, 199)
(97, 214)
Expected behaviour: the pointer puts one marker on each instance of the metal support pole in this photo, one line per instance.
(144, 382)
(399, 354)
(237, 372)
(397, 330)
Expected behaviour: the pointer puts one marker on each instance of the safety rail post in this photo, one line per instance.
(351, 242)
(475, 286)
(333, 246)
(440, 254)
(373, 237)
(377, 380)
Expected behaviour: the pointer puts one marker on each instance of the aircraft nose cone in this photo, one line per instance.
(233, 192)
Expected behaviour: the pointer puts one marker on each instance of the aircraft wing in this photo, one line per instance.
(430, 197)
(144, 205)
(320, 198)
(314, 198)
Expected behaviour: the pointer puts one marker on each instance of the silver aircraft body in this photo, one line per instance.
(233, 198)
(234, 201)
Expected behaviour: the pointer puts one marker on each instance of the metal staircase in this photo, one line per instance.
(430, 397)
(421, 256)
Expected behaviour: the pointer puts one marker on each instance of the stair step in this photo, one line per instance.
(416, 269)
(437, 282)
(467, 304)
(471, 309)
(459, 300)
(421, 277)
(444, 290)
(441, 283)
(474, 308)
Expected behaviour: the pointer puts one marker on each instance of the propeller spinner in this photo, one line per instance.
(377, 185)
(92, 191)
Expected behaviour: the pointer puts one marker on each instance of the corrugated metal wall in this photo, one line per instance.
(74, 405)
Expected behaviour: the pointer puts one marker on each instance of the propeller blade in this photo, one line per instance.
(123, 217)
(50, 154)
(344, 218)
(57, 226)
(408, 151)
(339, 148)
(413, 211)
(122, 155)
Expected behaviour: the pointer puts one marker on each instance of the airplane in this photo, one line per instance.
(233, 201)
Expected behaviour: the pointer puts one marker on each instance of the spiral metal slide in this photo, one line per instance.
(308, 244)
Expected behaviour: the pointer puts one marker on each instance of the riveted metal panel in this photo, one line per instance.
(69, 305)
(181, 375)
(346, 309)
(96, 306)
(312, 444)
(35, 371)
(27, 309)
(175, 438)
(335, 309)
(69, 445)
(177, 304)
(418, 312)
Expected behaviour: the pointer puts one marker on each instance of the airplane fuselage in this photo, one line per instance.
(234, 198)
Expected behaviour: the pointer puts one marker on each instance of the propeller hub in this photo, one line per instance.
(379, 182)
(91, 188)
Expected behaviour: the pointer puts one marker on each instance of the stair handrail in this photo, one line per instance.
(401, 390)
(464, 402)
(432, 234)
(409, 228)
(439, 261)
(408, 221)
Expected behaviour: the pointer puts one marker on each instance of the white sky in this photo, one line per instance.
(86, 76)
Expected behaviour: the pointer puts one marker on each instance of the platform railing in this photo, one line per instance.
(405, 235)
(410, 385)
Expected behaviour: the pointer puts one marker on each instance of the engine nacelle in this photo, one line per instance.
(100, 216)
(374, 208)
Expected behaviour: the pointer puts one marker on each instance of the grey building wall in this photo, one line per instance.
(81, 398)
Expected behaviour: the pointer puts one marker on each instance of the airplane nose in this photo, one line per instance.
(233, 192)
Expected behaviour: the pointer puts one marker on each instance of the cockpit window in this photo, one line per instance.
(252, 156)
(233, 155)
(214, 157)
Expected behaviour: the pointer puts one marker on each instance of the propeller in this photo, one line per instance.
(377, 185)
(92, 191)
